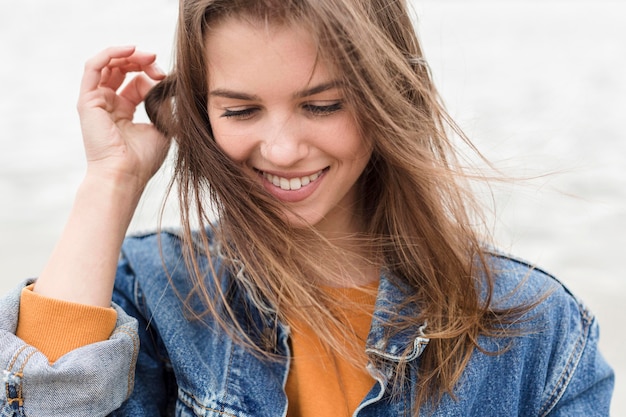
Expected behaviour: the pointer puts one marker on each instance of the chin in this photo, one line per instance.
(301, 221)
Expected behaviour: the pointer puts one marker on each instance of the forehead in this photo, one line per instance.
(244, 51)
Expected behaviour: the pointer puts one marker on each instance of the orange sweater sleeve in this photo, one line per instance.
(56, 327)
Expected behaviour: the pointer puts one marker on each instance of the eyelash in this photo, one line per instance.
(323, 110)
(317, 111)
(239, 114)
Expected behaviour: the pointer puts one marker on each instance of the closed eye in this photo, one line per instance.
(324, 110)
(241, 114)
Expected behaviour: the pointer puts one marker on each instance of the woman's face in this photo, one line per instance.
(280, 113)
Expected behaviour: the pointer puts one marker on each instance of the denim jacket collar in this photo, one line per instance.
(393, 348)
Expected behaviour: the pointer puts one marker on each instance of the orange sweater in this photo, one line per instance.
(319, 384)
(322, 384)
(56, 327)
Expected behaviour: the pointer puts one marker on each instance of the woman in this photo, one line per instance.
(343, 275)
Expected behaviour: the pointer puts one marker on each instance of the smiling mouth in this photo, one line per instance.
(292, 184)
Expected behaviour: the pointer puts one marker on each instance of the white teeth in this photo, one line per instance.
(293, 183)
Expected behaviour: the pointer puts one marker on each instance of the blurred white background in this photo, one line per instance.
(539, 86)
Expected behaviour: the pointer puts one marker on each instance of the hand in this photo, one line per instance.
(121, 158)
(116, 148)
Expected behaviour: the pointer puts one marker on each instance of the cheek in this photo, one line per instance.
(234, 145)
(347, 143)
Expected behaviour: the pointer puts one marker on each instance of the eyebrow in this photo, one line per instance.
(237, 95)
(222, 92)
(318, 89)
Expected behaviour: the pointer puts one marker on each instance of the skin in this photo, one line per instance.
(276, 109)
(121, 158)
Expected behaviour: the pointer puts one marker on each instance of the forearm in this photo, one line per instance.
(82, 266)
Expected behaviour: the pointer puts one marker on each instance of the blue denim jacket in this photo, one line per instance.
(191, 368)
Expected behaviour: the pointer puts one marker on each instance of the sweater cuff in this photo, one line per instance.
(56, 327)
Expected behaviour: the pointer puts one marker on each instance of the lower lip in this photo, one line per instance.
(293, 196)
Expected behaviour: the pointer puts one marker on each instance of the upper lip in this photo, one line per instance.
(290, 174)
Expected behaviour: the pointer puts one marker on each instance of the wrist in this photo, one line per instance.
(114, 182)
(108, 200)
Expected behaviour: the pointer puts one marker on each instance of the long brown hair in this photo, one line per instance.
(418, 211)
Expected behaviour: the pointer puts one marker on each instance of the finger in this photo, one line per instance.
(155, 72)
(127, 59)
(112, 78)
(137, 89)
(139, 62)
(114, 74)
(92, 75)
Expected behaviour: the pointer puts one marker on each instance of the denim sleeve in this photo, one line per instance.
(93, 380)
(155, 387)
(588, 379)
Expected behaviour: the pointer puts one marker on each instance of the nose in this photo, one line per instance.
(284, 142)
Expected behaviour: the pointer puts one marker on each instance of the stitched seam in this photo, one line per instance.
(19, 352)
(20, 373)
(569, 371)
(230, 366)
(19, 398)
(205, 408)
(131, 371)
(7, 394)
